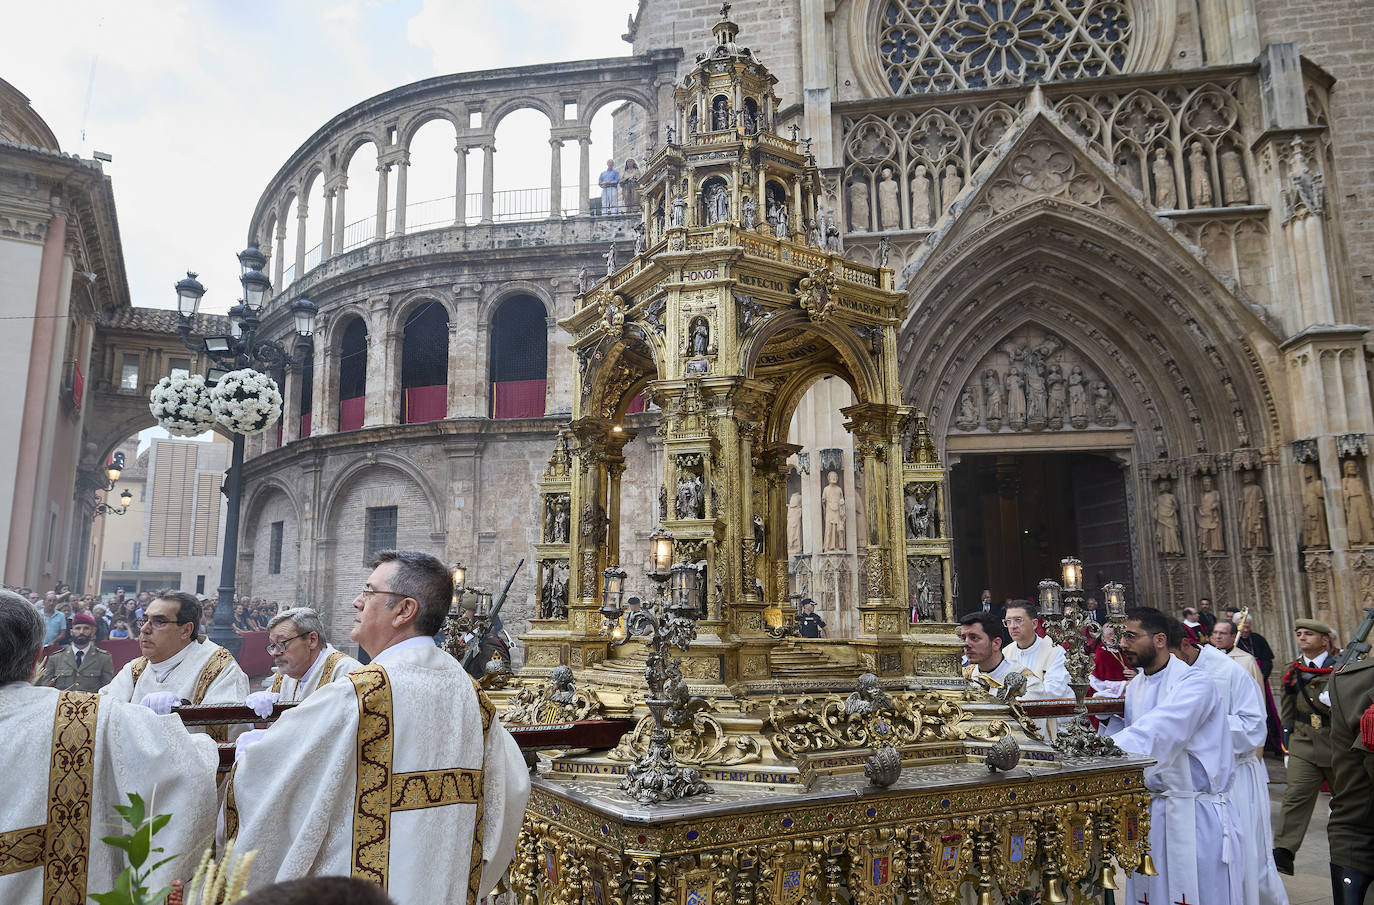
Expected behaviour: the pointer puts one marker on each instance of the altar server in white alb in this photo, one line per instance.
(1174, 715)
(72, 757)
(1039, 659)
(372, 775)
(176, 666)
(1249, 788)
(305, 661)
(985, 638)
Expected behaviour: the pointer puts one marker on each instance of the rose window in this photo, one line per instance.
(945, 45)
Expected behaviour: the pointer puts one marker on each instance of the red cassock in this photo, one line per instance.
(1108, 664)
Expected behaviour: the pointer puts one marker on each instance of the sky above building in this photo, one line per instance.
(200, 103)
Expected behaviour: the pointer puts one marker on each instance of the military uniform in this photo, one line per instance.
(1350, 831)
(1308, 721)
(94, 672)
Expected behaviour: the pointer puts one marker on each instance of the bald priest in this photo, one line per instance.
(404, 749)
(73, 756)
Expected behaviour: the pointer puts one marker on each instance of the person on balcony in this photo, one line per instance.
(610, 188)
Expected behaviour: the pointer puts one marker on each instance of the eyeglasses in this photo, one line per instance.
(277, 648)
(1131, 636)
(369, 593)
(1013, 620)
(161, 621)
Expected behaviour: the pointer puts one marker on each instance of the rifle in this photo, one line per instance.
(1358, 646)
(483, 626)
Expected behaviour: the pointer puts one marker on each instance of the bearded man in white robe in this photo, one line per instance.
(370, 775)
(1249, 788)
(176, 667)
(1173, 715)
(1039, 659)
(73, 757)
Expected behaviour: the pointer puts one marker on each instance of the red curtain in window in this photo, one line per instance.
(426, 404)
(351, 413)
(305, 425)
(518, 398)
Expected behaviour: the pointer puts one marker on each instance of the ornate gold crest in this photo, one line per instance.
(694, 888)
(818, 293)
(1018, 854)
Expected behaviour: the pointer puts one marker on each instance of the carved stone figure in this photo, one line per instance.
(1016, 399)
(690, 502)
(1167, 521)
(562, 689)
(832, 505)
(679, 215)
(639, 239)
(1104, 404)
(1200, 180)
(869, 698)
(920, 519)
(813, 236)
(858, 206)
(582, 281)
(782, 222)
(557, 531)
(1058, 398)
(1078, 398)
(950, 184)
(1313, 508)
(1254, 519)
(1037, 402)
(720, 114)
(1163, 171)
(760, 535)
(1233, 178)
(749, 210)
(717, 203)
(610, 259)
(794, 524)
(553, 597)
(884, 251)
(966, 419)
(1209, 534)
(701, 336)
(1359, 521)
(889, 201)
(920, 197)
(693, 120)
(992, 399)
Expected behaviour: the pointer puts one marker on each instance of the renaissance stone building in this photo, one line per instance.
(1135, 238)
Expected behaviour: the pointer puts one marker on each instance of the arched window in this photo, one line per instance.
(307, 389)
(519, 359)
(352, 375)
(424, 365)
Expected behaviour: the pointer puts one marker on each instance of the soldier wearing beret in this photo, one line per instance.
(1307, 723)
(1350, 831)
(79, 666)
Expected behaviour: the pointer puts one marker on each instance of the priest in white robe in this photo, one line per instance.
(305, 660)
(175, 666)
(1039, 659)
(80, 755)
(399, 774)
(1249, 788)
(1174, 715)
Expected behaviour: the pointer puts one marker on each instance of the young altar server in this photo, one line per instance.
(406, 749)
(984, 638)
(305, 661)
(73, 757)
(1173, 714)
(1249, 789)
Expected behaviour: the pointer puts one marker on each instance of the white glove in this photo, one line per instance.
(261, 702)
(247, 738)
(160, 702)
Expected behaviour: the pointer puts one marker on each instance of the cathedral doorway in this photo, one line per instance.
(1015, 516)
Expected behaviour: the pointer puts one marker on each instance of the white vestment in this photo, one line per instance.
(1249, 789)
(82, 754)
(330, 665)
(1176, 717)
(405, 750)
(206, 674)
(997, 673)
(1047, 678)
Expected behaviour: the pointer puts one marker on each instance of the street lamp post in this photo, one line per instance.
(242, 348)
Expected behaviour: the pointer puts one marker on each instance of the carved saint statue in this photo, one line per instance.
(950, 184)
(1359, 521)
(749, 209)
(889, 201)
(679, 215)
(558, 520)
(1104, 404)
(1078, 398)
(992, 398)
(813, 235)
(1166, 521)
(639, 239)
(966, 419)
(1254, 520)
(794, 524)
(610, 259)
(920, 198)
(717, 203)
(920, 520)
(832, 505)
(884, 251)
(553, 596)
(582, 281)
(1163, 171)
(1016, 399)
(720, 113)
(1200, 181)
(701, 336)
(1058, 398)
(781, 224)
(1233, 179)
(1037, 403)
(858, 206)
(690, 502)
(1313, 508)
(1209, 535)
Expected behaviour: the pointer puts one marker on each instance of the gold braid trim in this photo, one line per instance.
(231, 808)
(276, 683)
(21, 850)
(475, 865)
(434, 788)
(66, 846)
(372, 801)
(208, 673)
(136, 668)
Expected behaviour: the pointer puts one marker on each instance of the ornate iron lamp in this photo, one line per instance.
(125, 499)
(668, 621)
(1069, 624)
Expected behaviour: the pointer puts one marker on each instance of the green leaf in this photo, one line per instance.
(159, 895)
(159, 821)
(162, 862)
(121, 842)
(140, 843)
